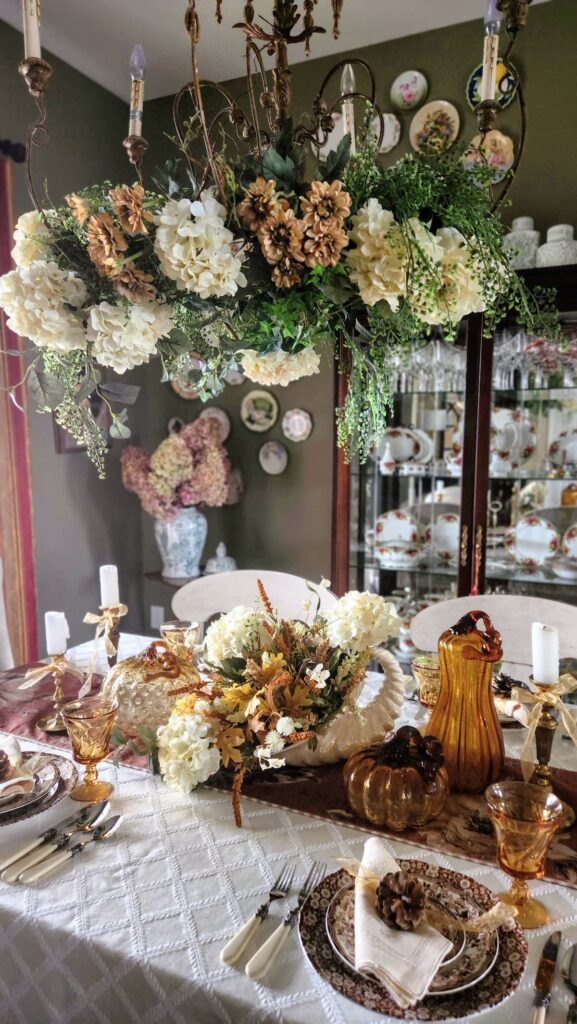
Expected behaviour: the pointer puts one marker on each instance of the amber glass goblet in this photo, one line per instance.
(89, 724)
(525, 819)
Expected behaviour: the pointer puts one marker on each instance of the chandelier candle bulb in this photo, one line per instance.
(348, 85)
(109, 594)
(490, 51)
(545, 645)
(137, 69)
(57, 632)
(31, 25)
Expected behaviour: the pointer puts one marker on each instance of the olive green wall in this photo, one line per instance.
(79, 521)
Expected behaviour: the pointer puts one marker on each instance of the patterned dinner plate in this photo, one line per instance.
(470, 958)
(532, 541)
(497, 984)
(45, 776)
(62, 783)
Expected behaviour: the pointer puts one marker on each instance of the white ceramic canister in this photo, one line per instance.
(522, 242)
(560, 248)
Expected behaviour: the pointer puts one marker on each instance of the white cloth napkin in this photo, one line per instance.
(15, 786)
(404, 962)
(513, 709)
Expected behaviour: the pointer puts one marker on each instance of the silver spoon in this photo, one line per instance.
(569, 975)
(101, 832)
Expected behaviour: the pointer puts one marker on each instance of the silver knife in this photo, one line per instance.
(58, 842)
(544, 978)
(101, 832)
(78, 818)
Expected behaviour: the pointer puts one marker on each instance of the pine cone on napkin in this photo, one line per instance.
(401, 901)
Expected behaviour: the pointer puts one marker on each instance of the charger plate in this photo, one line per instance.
(63, 775)
(497, 985)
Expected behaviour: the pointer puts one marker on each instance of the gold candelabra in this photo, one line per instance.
(53, 721)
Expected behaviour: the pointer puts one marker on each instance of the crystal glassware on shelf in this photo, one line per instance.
(89, 723)
(525, 818)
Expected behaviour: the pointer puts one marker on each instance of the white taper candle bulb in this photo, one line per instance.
(31, 26)
(109, 594)
(545, 648)
(57, 632)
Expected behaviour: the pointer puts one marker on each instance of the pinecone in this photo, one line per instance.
(401, 901)
(4, 764)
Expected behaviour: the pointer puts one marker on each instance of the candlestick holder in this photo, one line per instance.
(136, 146)
(486, 112)
(35, 71)
(107, 625)
(544, 736)
(112, 637)
(515, 12)
(53, 721)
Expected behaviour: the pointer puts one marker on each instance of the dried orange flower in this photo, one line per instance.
(281, 236)
(258, 203)
(325, 205)
(287, 272)
(325, 248)
(79, 207)
(105, 244)
(127, 205)
(133, 284)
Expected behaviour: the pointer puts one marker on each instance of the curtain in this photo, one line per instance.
(16, 510)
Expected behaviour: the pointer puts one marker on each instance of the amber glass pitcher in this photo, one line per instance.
(464, 718)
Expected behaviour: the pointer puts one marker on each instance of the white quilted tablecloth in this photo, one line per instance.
(131, 931)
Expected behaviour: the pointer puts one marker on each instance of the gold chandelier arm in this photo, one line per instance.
(35, 72)
(192, 28)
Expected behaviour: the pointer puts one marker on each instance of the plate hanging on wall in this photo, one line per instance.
(184, 389)
(391, 131)
(214, 412)
(408, 90)
(297, 424)
(273, 458)
(505, 90)
(434, 127)
(496, 151)
(259, 410)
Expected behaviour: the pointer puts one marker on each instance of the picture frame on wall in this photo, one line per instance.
(65, 443)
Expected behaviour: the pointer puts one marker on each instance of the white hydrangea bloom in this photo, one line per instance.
(459, 291)
(359, 621)
(126, 336)
(279, 367)
(31, 239)
(195, 249)
(234, 634)
(187, 754)
(36, 300)
(378, 264)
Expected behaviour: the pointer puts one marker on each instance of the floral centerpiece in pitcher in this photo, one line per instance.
(270, 683)
(188, 469)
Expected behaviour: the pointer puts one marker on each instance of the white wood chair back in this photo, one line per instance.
(510, 614)
(201, 599)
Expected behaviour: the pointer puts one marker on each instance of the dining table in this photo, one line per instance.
(133, 929)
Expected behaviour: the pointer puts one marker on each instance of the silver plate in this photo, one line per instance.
(46, 779)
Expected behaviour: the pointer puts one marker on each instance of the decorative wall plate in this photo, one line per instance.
(259, 410)
(404, 444)
(391, 133)
(395, 526)
(434, 127)
(569, 543)
(496, 151)
(444, 536)
(235, 377)
(297, 424)
(512, 431)
(532, 541)
(273, 457)
(489, 991)
(564, 449)
(409, 90)
(184, 389)
(214, 412)
(506, 88)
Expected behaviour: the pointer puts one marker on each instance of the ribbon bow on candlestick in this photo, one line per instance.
(58, 667)
(107, 626)
(544, 701)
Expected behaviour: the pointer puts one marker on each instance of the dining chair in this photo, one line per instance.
(511, 614)
(203, 598)
(6, 655)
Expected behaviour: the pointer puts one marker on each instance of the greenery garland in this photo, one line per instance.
(281, 268)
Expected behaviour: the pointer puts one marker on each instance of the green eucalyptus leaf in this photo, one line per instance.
(336, 160)
(46, 389)
(119, 428)
(118, 391)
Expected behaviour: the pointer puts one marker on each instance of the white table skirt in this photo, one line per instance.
(131, 931)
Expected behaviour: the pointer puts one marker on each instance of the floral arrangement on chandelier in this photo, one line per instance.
(269, 683)
(188, 468)
(261, 270)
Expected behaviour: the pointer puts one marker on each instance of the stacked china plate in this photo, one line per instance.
(479, 970)
(34, 783)
(564, 566)
(397, 540)
(532, 542)
(409, 448)
(443, 538)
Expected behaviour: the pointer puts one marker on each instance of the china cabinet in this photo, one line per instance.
(474, 487)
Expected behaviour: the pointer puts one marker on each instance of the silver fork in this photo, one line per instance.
(264, 957)
(237, 945)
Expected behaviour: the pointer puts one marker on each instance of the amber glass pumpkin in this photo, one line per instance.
(398, 784)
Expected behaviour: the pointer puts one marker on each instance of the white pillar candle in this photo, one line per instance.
(492, 23)
(31, 25)
(348, 85)
(545, 644)
(108, 586)
(57, 632)
(137, 69)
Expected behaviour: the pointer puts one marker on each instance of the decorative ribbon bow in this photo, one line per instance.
(59, 662)
(105, 624)
(551, 697)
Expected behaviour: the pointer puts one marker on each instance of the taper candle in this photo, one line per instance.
(492, 23)
(137, 69)
(545, 644)
(57, 632)
(348, 85)
(109, 595)
(31, 25)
